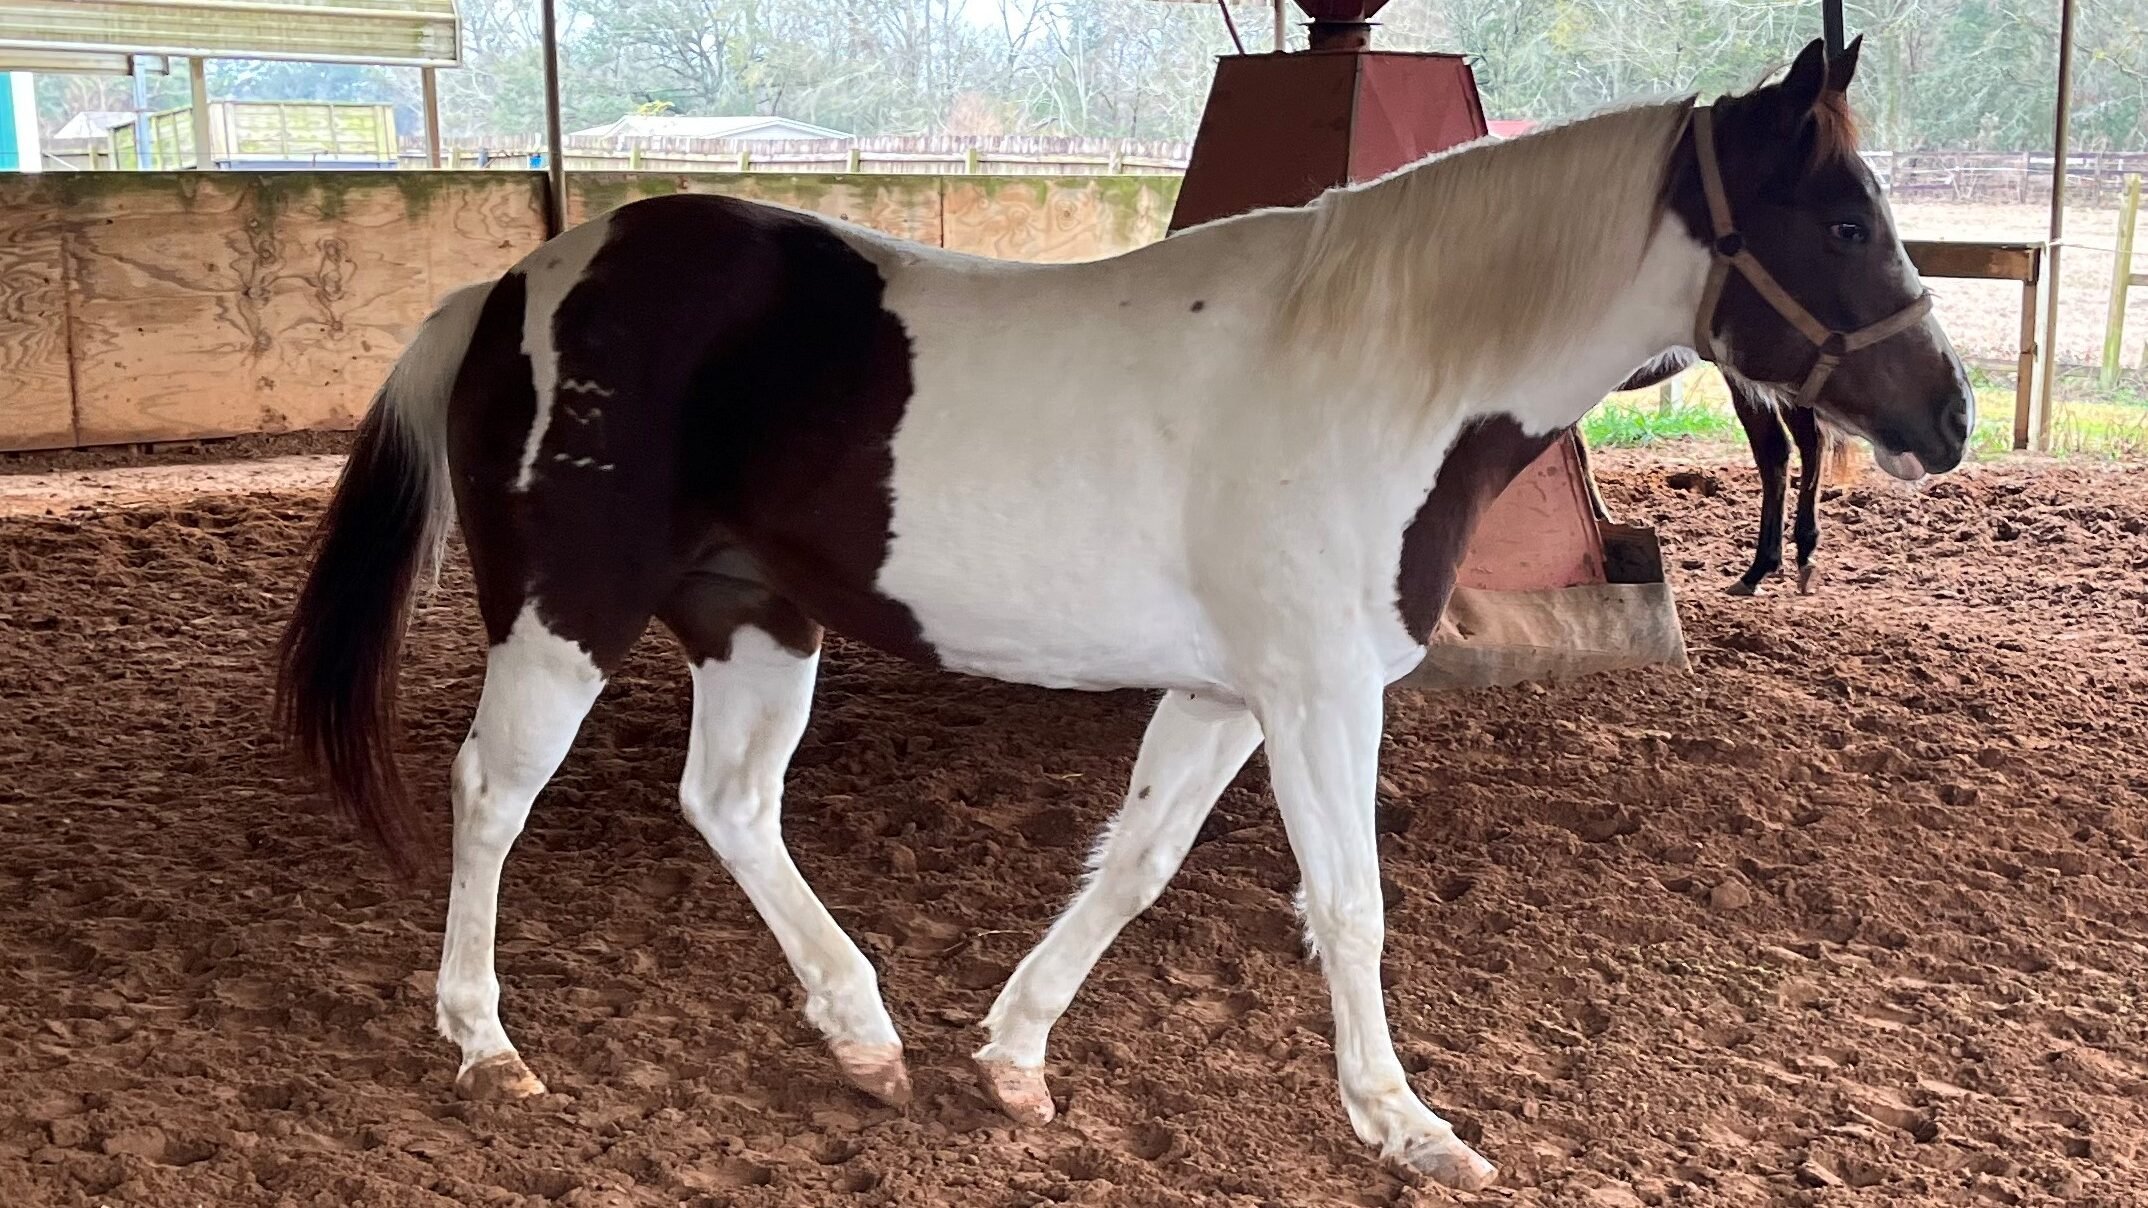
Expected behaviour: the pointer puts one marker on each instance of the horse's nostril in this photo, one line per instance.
(1954, 423)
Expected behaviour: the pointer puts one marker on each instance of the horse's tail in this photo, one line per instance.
(388, 520)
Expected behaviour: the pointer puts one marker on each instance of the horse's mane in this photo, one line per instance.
(1835, 129)
(1485, 258)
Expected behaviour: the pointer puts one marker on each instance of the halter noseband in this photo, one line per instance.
(1728, 252)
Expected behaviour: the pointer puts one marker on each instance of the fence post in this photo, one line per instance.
(969, 161)
(633, 158)
(854, 163)
(745, 161)
(2114, 327)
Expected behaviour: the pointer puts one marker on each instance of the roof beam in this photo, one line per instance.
(414, 33)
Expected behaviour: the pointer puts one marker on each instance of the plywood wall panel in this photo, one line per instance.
(1055, 219)
(907, 207)
(232, 303)
(36, 396)
(174, 306)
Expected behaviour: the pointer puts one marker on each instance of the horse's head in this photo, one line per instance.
(1812, 289)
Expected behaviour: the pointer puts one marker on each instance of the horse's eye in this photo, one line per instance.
(1850, 232)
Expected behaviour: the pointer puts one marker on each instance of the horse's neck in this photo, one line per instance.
(1529, 278)
(1555, 380)
(1654, 313)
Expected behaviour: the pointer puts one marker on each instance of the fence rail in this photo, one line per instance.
(2095, 178)
(905, 155)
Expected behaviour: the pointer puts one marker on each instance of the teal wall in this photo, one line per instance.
(10, 154)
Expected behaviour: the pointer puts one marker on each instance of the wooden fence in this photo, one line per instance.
(142, 307)
(2094, 178)
(920, 155)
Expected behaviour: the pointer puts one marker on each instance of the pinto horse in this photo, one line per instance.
(1239, 466)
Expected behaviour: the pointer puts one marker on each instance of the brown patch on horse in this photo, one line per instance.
(720, 597)
(489, 414)
(723, 458)
(1484, 459)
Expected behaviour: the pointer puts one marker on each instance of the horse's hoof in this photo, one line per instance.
(500, 1078)
(1742, 588)
(1020, 1093)
(876, 1069)
(1448, 1162)
(1807, 576)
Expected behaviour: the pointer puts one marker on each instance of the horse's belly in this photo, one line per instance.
(1047, 614)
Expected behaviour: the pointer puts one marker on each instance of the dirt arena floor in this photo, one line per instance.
(1853, 912)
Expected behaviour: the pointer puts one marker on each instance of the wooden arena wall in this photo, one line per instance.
(144, 307)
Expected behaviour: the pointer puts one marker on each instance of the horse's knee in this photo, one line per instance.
(1346, 926)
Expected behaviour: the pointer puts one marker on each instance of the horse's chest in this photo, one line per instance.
(1483, 460)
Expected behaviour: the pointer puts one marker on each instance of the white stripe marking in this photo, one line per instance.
(551, 273)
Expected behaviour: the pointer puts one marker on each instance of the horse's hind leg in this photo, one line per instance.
(1191, 751)
(538, 687)
(1811, 450)
(754, 659)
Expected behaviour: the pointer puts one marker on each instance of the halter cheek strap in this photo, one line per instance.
(1728, 252)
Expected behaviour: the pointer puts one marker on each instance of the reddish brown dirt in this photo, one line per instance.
(1852, 913)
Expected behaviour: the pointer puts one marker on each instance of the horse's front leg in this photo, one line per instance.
(1323, 754)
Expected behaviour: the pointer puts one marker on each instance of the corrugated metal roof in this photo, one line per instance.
(424, 33)
(91, 124)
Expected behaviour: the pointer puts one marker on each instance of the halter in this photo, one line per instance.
(1728, 252)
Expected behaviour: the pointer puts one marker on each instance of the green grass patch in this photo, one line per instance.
(2109, 425)
(1630, 425)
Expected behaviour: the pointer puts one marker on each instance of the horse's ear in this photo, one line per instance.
(1801, 88)
(1843, 67)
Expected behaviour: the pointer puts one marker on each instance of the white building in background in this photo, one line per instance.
(676, 125)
